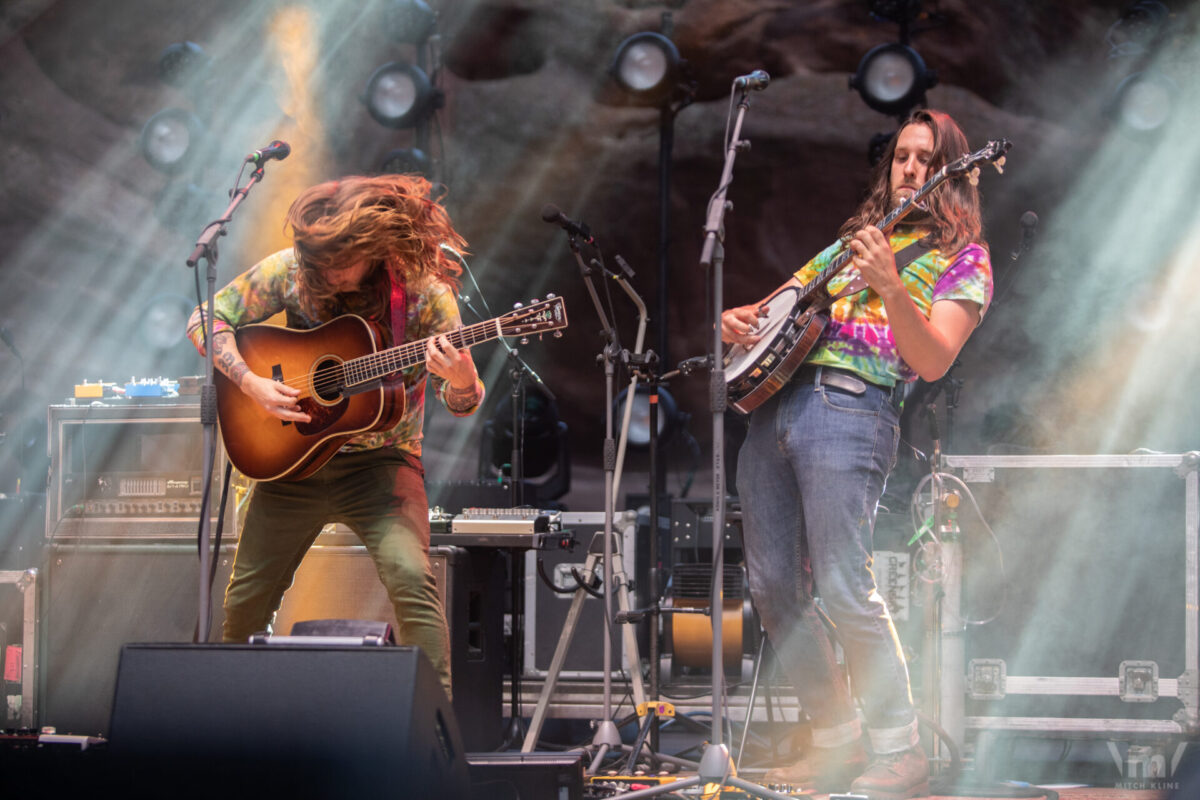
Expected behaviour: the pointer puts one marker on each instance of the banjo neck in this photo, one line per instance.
(816, 287)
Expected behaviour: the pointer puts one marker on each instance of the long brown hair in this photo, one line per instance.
(390, 220)
(954, 214)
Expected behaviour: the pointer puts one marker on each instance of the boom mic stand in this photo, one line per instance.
(206, 248)
(715, 765)
(607, 736)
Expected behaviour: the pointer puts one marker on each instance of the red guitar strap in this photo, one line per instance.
(399, 306)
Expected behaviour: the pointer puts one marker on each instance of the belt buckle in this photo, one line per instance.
(841, 380)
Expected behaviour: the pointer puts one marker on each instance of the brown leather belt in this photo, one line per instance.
(845, 380)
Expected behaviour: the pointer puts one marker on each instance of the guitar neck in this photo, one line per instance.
(365, 369)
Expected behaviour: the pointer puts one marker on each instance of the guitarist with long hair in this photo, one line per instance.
(369, 246)
(819, 450)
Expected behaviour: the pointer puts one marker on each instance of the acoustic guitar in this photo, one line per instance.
(340, 370)
(793, 318)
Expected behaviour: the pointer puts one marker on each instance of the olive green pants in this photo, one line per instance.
(380, 495)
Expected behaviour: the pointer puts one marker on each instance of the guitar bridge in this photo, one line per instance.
(277, 375)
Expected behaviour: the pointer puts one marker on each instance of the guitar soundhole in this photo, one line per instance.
(328, 380)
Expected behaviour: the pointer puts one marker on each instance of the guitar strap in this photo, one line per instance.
(904, 257)
(399, 307)
(399, 312)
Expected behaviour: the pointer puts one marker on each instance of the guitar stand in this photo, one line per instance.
(594, 558)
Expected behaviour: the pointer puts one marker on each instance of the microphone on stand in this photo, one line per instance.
(1029, 223)
(276, 150)
(754, 82)
(551, 213)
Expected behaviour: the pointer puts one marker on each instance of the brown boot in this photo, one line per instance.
(822, 768)
(895, 776)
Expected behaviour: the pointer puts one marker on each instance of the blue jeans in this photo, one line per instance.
(810, 475)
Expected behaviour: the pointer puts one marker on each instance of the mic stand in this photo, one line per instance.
(715, 764)
(645, 367)
(607, 736)
(206, 248)
(517, 370)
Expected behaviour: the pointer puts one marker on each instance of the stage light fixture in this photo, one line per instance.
(399, 95)
(406, 161)
(169, 139)
(669, 419)
(546, 455)
(647, 67)
(180, 63)
(1143, 101)
(411, 21)
(901, 11)
(892, 79)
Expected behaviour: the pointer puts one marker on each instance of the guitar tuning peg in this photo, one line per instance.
(973, 176)
(550, 295)
(534, 302)
(999, 164)
(558, 334)
(518, 305)
(524, 340)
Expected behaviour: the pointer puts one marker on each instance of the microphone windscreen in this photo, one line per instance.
(551, 212)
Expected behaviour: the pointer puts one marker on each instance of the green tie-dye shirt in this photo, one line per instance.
(858, 337)
(269, 287)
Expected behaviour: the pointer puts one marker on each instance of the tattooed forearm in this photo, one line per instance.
(237, 372)
(462, 399)
(227, 358)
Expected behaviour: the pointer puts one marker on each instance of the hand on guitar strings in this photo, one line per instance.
(279, 399)
(446, 361)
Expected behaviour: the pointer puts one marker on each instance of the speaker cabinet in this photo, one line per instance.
(96, 598)
(322, 721)
(340, 582)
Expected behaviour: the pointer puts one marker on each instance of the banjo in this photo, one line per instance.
(793, 317)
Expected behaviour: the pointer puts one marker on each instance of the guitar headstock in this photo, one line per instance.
(540, 316)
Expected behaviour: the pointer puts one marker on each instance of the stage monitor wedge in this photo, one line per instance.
(322, 720)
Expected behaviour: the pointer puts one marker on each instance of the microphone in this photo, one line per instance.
(276, 150)
(754, 82)
(1029, 223)
(551, 213)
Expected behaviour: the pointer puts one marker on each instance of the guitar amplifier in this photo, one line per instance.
(128, 471)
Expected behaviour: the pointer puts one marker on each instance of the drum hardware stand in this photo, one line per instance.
(206, 248)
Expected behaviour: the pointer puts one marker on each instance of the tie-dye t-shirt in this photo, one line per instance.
(269, 287)
(858, 337)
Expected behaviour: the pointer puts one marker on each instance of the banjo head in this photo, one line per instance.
(740, 359)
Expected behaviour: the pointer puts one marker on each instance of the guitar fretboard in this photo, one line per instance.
(374, 366)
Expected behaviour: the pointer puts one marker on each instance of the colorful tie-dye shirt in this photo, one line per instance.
(269, 287)
(858, 337)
